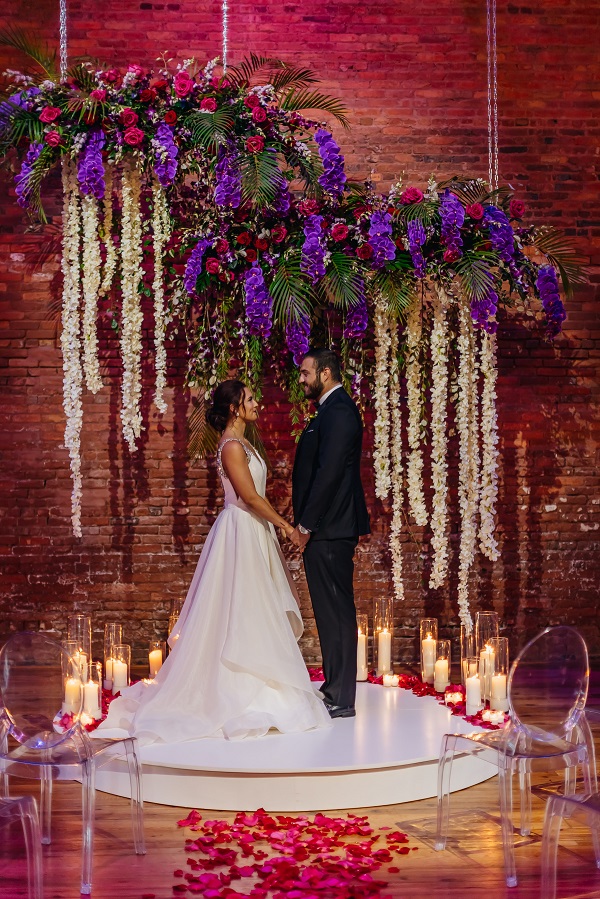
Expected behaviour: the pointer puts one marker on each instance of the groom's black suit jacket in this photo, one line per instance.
(327, 493)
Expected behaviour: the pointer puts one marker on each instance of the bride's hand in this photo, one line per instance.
(285, 531)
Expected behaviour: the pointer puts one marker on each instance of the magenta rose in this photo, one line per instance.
(98, 94)
(411, 195)
(259, 114)
(475, 210)
(182, 84)
(339, 232)
(49, 114)
(209, 104)
(52, 138)
(255, 144)
(451, 255)
(278, 233)
(135, 70)
(365, 251)
(308, 207)
(517, 209)
(212, 265)
(214, 81)
(251, 101)
(133, 136)
(128, 117)
(112, 76)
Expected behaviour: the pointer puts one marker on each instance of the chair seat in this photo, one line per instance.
(64, 754)
(538, 749)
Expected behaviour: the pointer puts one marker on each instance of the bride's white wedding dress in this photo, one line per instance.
(235, 669)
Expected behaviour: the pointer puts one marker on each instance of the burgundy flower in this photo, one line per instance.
(111, 76)
(475, 211)
(451, 255)
(128, 117)
(212, 265)
(98, 94)
(133, 136)
(160, 85)
(517, 209)
(255, 144)
(182, 84)
(261, 244)
(209, 104)
(259, 114)
(339, 232)
(251, 255)
(221, 246)
(308, 207)
(49, 114)
(278, 233)
(52, 138)
(244, 238)
(251, 101)
(365, 251)
(170, 117)
(411, 195)
(148, 95)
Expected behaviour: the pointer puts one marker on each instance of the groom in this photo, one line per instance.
(330, 514)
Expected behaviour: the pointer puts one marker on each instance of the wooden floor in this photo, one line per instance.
(470, 867)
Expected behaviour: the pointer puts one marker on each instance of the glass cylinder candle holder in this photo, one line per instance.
(486, 628)
(468, 650)
(79, 629)
(121, 666)
(174, 613)
(113, 633)
(156, 656)
(487, 667)
(92, 692)
(499, 679)
(383, 628)
(473, 697)
(428, 633)
(362, 648)
(441, 674)
(73, 686)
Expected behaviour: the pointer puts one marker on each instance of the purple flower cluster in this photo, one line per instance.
(282, 201)
(194, 264)
(333, 179)
(502, 236)
(380, 228)
(90, 170)
(483, 309)
(23, 179)
(548, 290)
(17, 101)
(297, 333)
(312, 262)
(358, 317)
(229, 178)
(452, 214)
(259, 304)
(416, 238)
(166, 155)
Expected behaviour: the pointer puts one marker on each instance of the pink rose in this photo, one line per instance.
(182, 84)
(209, 104)
(112, 76)
(451, 255)
(255, 144)
(52, 138)
(411, 195)
(133, 136)
(212, 265)
(49, 114)
(251, 101)
(339, 232)
(278, 233)
(98, 94)
(475, 210)
(135, 70)
(258, 114)
(517, 209)
(214, 81)
(128, 117)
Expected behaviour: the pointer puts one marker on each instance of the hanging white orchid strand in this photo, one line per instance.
(489, 449)
(396, 473)
(110, 264)
(416, 496)
(381, 449)
(161, 227)
(132, 316)
(439, 438)
(91, 285)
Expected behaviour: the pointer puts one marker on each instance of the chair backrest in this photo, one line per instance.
(548, 682)
(33, 674)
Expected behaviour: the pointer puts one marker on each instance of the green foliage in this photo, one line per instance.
(562, 254)
(293, 295)
(426, 212)
(202, 438)
(343, 284)
(310, 168)
(23, 124)
(261, 177)
(303, 98)
(473, 269)
(243, 74)
(291, 76)
(397, 284)
(212, 128)
(31, 46)
(81, 75)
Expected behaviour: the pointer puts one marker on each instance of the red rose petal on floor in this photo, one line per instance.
(404, 850)
(192, 818)
(393, 870)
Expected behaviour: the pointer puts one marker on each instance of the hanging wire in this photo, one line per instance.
(63, 40)
(492, 94)
(225, 10)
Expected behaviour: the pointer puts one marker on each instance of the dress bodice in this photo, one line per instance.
(258, 470)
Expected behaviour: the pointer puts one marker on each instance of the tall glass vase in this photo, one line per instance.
(383, 632)
(428, 634)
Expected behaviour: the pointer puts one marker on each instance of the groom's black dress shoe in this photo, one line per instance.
(340, 711)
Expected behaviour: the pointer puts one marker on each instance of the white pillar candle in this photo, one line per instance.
(473, 694)
(108, 674)
(72, 695)
(119, 675)
(155, 660)
(362, 671)
(440, 679)
(81, 660)
(384, 652)
(428, 648)
(487, 660)
(498, 699)
(91, 700)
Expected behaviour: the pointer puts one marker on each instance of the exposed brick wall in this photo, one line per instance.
(413, 77)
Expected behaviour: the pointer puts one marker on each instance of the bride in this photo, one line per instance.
(235, 669)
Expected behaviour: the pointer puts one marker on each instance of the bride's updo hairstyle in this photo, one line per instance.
(228, 394)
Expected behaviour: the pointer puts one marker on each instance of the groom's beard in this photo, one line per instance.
(314, 391)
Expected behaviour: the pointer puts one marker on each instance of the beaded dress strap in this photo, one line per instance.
(220, 468)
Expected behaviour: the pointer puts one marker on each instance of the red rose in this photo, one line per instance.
(517, 209)
(98, 94)
(212, 265)
(278, 233)
(209, 104)
(400, 243)
(49, 114)
(89, 117)
(251, 255)
(251, 101)
(182, 84)
(160, 85)
(258, 114)
(359, 210)
(133, 137)
(170, 117)
(365, 251)
(339, 232)
(112, 76)
(148, 95)
(128, 117)
(308, 207)
(261, 244)
(411, 195)
(475, 210)
(221, 246)
(244, 238)
(451, 255)
(255, 144)
(52, 138)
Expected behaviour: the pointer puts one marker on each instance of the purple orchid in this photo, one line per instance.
(259, 304)
(312, 262)
(228, 191)
(90, 169)
(452, 214)
(166, 153)
(380, 229)
(357, 317)
(333, 179)
(23, 178)
(194, 264)
(549, 293)
(416, 238)
(297, 333)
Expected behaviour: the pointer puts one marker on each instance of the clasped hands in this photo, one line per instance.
(295, 536)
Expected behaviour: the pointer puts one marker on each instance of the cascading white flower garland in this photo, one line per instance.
(381, 440)
(132, 316)
(416, 496)
(439, 438)
(110, 263)
(396, 473)
(161, 227)
(489, 448)
(70, 340)
(91, 284)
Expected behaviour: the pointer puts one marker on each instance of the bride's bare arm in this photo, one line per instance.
(235, 464)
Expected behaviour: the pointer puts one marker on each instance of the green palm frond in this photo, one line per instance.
(556, 246)
(24, 124)
(81, 75)
(425, 212)
(292, 77)
(475, 191)
(473, 269)
(398, 287)
(243, 73)
(293, 295)
(343, 285)
(202, 438)
(210, 129)
(39, 170)
(31, 46)
(261, 177)
(310, 99)
(310, 168)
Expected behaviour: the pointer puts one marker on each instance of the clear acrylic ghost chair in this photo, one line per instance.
(32, 691)
(25, 810)
(547, 690)
(585, 806)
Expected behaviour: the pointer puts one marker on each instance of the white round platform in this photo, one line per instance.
(386, 755)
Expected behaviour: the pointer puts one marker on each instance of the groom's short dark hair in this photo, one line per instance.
(325, 358)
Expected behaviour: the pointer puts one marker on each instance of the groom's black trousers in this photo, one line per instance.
(329, 566)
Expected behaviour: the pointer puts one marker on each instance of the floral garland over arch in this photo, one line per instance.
(224, 178)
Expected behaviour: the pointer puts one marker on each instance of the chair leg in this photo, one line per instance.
(46, 804)
(137, 805)
(443, 809)
(505, 786)
(525, 791)
(31, 835)
(88, 804)
(551, 833)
